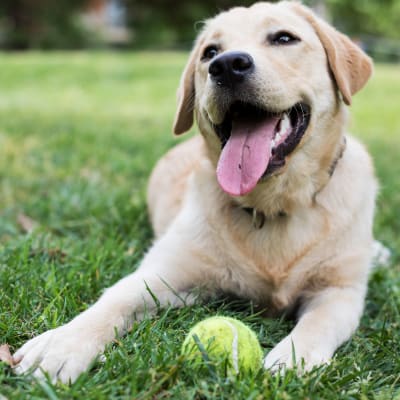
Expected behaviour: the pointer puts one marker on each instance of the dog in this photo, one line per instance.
(272, 202)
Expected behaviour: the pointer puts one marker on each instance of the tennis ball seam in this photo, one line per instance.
(235, 345)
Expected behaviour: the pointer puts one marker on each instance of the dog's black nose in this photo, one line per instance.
(231, 68)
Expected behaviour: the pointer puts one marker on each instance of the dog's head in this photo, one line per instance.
(264, 81)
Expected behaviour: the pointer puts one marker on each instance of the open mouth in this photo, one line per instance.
(255, 143)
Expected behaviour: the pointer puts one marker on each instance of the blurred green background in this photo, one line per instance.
(66, 24)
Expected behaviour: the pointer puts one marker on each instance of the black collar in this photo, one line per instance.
(338, 157)
(258, 217)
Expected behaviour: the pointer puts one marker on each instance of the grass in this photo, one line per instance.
(79, 134)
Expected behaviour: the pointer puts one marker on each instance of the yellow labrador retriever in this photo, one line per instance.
(273, 202)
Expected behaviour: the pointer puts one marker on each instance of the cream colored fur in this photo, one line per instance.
(317, 254)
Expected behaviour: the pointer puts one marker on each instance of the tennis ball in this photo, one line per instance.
(224, 338)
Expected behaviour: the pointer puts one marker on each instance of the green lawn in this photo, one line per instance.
(79, 134)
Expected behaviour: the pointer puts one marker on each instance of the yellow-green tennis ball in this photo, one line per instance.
(224, 338)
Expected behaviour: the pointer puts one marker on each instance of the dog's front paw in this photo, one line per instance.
(289, 354)
(63, 353)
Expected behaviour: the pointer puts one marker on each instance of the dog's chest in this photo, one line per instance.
(261, 263)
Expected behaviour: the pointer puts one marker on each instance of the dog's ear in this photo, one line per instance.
(350, 66)
(186, 93)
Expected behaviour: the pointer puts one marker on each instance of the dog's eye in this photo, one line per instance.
(209, 53)
(282, 38)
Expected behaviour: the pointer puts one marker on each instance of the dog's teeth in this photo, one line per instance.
(284, 126)
(273, 144)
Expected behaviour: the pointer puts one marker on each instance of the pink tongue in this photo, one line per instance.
(246, 155)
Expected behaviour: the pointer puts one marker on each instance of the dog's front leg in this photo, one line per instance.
(326, 321)
(165, 277)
